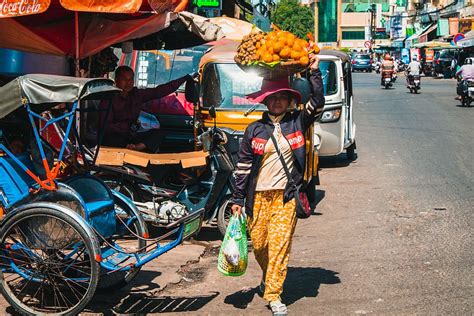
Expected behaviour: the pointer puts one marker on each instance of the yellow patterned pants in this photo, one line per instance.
(271, 229)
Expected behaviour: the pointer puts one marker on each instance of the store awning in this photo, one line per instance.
(424, 36)
(415, 38)
(398, 42)
(433, 44)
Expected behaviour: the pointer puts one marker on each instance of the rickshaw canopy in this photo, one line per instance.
(51, 90)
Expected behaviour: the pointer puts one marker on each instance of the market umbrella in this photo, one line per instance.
(51, 27)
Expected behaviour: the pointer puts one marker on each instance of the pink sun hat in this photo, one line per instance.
(273, 86)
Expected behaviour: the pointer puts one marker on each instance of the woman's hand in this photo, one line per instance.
(236, 209)
(314, 63)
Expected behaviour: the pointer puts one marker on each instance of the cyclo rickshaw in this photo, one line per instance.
(63, 236)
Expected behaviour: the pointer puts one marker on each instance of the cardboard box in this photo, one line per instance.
(119, 156)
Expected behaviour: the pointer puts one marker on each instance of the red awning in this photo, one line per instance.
(49, 27)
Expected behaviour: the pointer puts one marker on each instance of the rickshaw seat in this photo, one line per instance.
(14, 186)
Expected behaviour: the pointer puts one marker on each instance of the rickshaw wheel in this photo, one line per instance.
(128, 220)
(46, 261)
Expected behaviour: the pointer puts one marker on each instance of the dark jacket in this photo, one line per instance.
(293, 126)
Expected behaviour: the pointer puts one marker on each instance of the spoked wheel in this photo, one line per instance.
(117, 185)
(47, 263)
(118, 250)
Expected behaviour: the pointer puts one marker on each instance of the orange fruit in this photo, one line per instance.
(270, 50)
(304, 60)
(290, 41)
(277, 47)
(280, 34)
(267, 57)
(276, 57)
(258, 45)
(296, 55)
(302, 43)
(272, 37)
(285, 53)
(297, 47)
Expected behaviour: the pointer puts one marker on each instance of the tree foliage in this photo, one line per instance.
(290, 16)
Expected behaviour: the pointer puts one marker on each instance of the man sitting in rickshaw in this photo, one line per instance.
(121, 121)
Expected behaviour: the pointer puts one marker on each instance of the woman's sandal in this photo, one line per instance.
(261, 288)
(278, 308)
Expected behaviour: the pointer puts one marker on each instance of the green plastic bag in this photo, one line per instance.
(233, 255)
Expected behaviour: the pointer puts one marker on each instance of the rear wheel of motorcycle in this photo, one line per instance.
(224, 214)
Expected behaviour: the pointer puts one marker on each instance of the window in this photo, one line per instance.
(329, 73)
(353, 35)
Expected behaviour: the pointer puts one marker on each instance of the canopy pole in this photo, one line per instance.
(76, 33)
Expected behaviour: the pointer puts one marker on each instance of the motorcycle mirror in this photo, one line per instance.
(303, 86)
(191, 91)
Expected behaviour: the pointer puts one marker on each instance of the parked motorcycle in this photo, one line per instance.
(164, 194)
(413, 83)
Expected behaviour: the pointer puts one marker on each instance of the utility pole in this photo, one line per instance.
(339, 21)
(373, 11)
(316, 21)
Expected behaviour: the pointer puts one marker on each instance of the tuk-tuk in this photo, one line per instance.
(224, 86)
(335, 132)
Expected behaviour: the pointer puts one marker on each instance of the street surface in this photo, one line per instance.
(392, 234)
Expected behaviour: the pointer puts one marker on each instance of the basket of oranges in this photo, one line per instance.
(274, 54)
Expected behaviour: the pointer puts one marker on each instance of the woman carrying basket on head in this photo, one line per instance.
(261, 180)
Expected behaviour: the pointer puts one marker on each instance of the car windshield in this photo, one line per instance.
(153, 68)
(362, 56)
(226, 85)
(445, 54)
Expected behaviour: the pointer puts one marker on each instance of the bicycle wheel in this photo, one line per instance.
(47, 262)
(131, 228)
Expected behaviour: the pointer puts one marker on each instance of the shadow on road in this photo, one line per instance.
(335, 161)
(305, 282)
(300, 282)
(140, 304)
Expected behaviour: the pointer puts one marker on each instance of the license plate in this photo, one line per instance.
(387, 79)
(417, 81)
(191, 227)
(363, 62)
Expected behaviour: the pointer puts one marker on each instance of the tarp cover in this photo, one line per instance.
(53, 32)
(50, 89)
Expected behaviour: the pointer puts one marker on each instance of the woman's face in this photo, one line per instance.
(278, 103)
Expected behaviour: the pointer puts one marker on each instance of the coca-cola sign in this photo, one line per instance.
(12, 8)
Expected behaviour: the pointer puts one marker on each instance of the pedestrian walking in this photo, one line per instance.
(261, 180)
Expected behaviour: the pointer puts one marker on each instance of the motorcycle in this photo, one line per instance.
(387, 79)
(467, 95)
(178, 192)
(413, 83)
(377, 67)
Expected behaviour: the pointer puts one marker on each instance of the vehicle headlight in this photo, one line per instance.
(331, 115)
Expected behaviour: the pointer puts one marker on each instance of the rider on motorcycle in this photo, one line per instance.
(465, 73)
(414, 68)
(387, 67)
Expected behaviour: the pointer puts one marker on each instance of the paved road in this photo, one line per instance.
(394, 230)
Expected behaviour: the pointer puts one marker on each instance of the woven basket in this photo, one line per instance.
(282, 69)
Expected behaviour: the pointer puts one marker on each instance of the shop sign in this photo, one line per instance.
(208, 4)
(429, 55)
(12, 8)
(453, 26)
(466, 25)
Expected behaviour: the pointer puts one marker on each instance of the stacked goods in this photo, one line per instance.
(278, 52)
